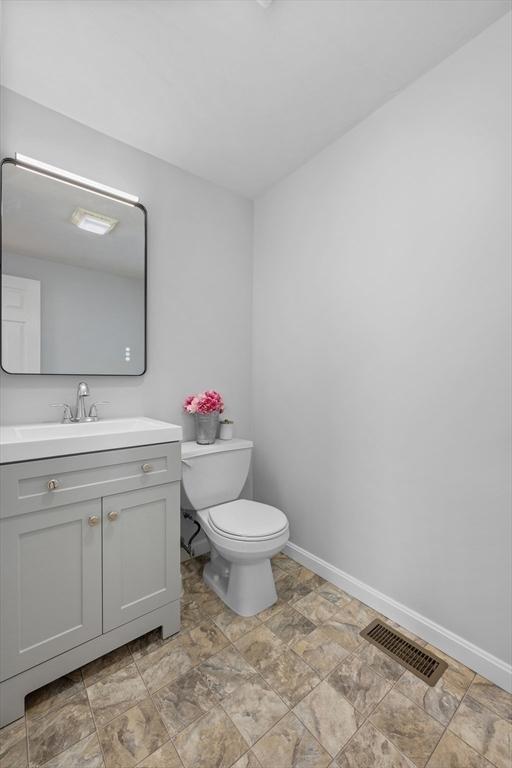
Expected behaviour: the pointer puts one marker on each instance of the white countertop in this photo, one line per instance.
(41, 441)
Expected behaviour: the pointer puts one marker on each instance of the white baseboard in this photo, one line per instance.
(473, 657)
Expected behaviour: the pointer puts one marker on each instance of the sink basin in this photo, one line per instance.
(41, 441)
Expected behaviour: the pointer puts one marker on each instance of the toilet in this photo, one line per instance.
(243, 535)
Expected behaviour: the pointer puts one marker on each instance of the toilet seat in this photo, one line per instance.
(245, 520)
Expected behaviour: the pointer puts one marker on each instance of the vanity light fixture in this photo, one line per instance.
(93, 222)
(36, 166)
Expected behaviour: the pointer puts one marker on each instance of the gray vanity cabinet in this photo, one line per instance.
(50, 585)
(139, 530)
(90, 553)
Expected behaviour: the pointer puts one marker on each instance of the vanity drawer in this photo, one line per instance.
(34, 485)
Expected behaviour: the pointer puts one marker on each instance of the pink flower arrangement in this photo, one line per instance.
(204, 402)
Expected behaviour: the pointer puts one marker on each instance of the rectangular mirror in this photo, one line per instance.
(73, 278)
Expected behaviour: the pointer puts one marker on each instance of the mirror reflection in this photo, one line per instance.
(73, 278)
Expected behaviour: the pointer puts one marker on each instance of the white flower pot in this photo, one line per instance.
(226, 431)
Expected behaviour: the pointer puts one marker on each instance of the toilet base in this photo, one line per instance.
(246, 588)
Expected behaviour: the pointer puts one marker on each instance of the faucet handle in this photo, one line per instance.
(93, 410)
(67, 416)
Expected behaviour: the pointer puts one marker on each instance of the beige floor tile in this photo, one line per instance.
(292, 588)
(356, 613)
(211, 742)
(370, 749)
(286, 563)
(452, 752)
(290, 625)
(226, 671)
(132, 736)
(484, 731)
(259, 646)
(363, 687)
(211, 605)
(164, 757)
(315, 608)
(233, 625)
(313, 580)
(344, 632)
(249, 760)
(319, 651)
(196, 591)
(290, 677)
(254, 708)
(329, 717)
(191, 615)
(105, 665)
(220, 712)
(165, 664)
(439, 701)
(59, 729)
(267, 613)
(185, 700)
(113, 695)
(408, 727)
(53, 695)
(85, 754)
(13, 745)
(380, 662)
(333, 594)
(204, 641)
(290, 745)
(148, 643)
(277, 572)
(191, 567)
(492, 697)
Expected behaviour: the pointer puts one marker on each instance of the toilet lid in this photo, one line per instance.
(247, 519)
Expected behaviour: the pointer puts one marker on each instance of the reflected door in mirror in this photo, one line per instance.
(21, 324)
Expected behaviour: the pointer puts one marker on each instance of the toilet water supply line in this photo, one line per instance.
(188, 546)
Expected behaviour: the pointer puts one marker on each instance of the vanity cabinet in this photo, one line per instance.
(139, 531)
(50, 585)
(89, 560)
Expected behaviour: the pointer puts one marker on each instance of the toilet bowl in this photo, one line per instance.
(243, 535)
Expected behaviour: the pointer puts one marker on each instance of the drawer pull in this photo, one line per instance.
(113, 515)
(93, 520)
(147, 467)
(52, 484)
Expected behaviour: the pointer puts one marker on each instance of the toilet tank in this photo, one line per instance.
(214, 474)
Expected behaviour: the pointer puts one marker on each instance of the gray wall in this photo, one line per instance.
(382, 347)
(87, 317)
(199, 279)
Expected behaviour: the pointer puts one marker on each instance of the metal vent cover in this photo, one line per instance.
(409, 654)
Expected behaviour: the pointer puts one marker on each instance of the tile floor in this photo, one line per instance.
(296, 686)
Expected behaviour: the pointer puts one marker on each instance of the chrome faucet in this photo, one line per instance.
(79, 414)
(81, 393)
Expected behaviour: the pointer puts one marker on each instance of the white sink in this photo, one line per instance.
(41, 441)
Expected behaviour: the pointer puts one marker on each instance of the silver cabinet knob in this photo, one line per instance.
(147, 467)
(52, 484)
(113, 515)
(93, 520)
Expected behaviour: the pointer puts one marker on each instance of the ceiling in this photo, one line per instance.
(226, 89)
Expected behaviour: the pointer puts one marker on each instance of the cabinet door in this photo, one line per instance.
(141, 552)
(50, 583)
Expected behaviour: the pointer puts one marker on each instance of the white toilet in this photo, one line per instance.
(243, 534)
